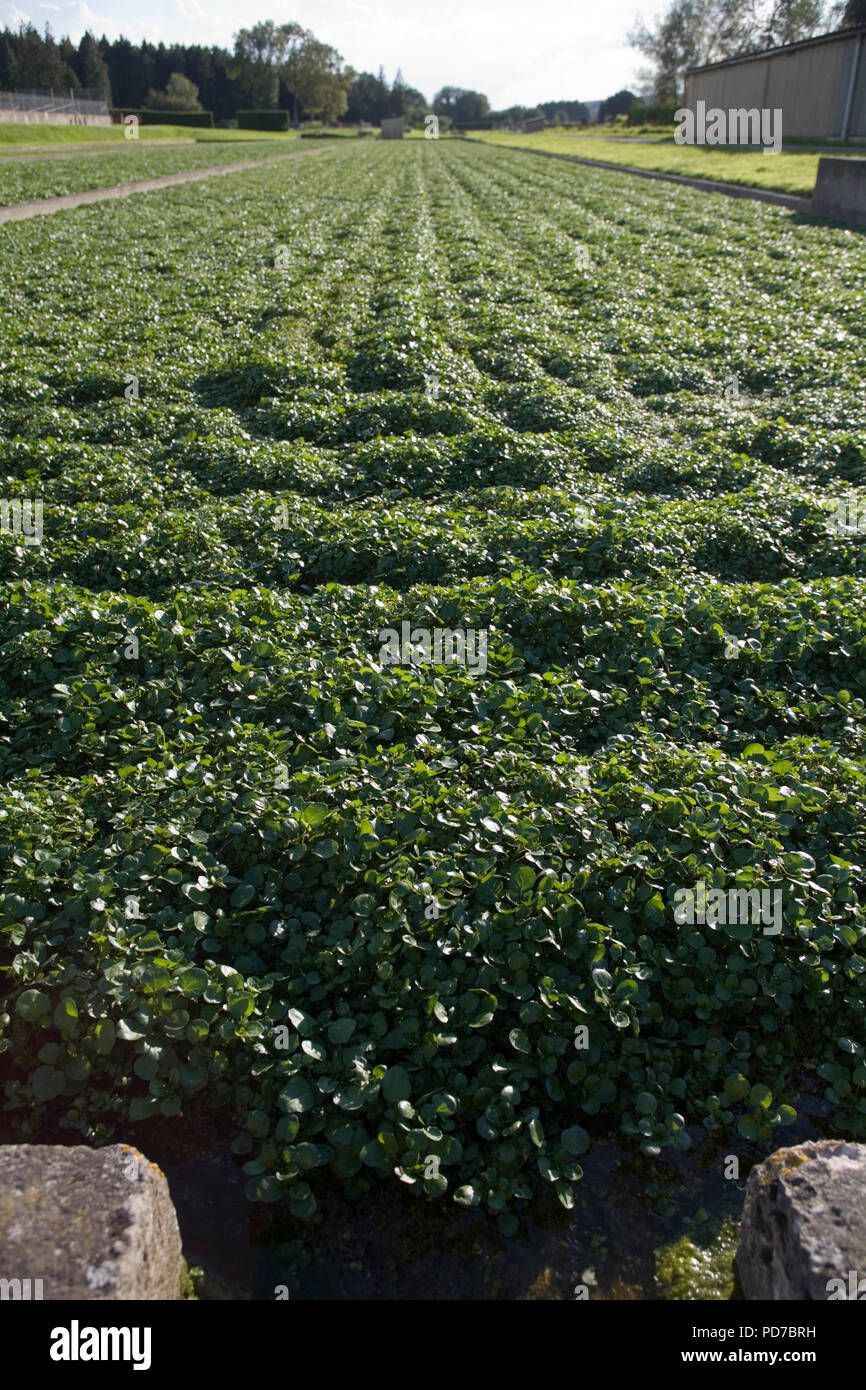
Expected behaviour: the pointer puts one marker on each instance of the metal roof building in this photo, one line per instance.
(819, 85)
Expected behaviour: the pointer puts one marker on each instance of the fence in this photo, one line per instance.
(82, 101)
(82, 105)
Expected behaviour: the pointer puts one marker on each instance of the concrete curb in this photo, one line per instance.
(19, 212)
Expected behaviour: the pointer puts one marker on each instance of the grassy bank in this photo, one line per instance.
(793, 172)
(36, 136)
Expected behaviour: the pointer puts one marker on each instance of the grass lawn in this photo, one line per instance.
(787, 173)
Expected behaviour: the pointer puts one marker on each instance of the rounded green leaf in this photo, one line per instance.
(32, 1005)
(297, 1096)
(341, 1030)
(519, 1041)
(576, 1140)
(396, 1084)
(105, 1035)
(194, 981)
(47, 1083)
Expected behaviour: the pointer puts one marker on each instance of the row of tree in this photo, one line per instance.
(29, 59)
(271, 65)
(286, 66)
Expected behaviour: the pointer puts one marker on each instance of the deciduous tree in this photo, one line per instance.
(179, 95)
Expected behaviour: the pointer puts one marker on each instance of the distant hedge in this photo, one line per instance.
(263, 120)
(662, 114)
(196, 118)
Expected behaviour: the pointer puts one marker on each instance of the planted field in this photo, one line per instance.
(21, 182)
(411, 921)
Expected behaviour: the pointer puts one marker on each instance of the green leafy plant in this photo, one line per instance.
(406, 923)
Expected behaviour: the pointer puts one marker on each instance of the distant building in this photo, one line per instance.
(533, 123)
(392, 128)
(818, 84)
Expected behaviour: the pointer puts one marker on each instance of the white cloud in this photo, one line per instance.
(513, 51)
(12, 17)
(191, 9)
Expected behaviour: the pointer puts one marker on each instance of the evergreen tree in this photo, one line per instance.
(91, 67)
(7, 62)
(126, 65)
(69, 54)
(38, 62)
(368, 98)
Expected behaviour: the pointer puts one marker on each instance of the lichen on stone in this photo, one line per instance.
(781, 1163)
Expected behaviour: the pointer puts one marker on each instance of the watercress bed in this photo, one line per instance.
(22, 181)
(416, 922)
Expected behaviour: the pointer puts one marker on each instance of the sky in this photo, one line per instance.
(515, 51)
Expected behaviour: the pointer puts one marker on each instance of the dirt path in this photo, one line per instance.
(19, 212)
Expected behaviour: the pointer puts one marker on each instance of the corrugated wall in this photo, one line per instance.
(809, 84)
(857, 123)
